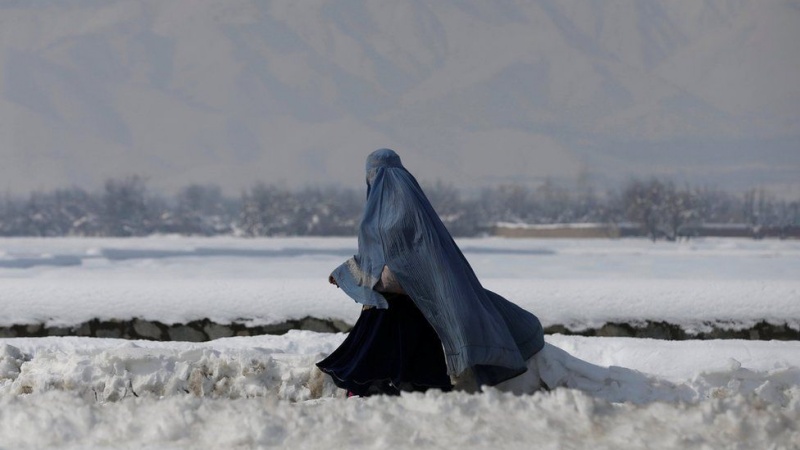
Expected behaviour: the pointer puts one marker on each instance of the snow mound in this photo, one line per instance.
(115, 370)
(129, 369)
(264, 391)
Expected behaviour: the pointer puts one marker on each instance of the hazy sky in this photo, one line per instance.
(472, 93)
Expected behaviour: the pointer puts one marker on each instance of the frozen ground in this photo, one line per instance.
(263, 391)
(577, 283)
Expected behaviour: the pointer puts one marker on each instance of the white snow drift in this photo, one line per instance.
(609, 392)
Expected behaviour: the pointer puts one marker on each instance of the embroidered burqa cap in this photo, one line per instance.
(478, 328)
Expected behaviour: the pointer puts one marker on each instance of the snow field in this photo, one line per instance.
(576, 304)
(726, 283)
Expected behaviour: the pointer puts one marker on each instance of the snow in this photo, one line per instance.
(243, 392)
(727, 283)
(264, 391)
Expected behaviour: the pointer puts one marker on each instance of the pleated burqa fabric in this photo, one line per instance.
(478, 328)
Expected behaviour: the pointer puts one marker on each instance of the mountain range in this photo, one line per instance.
(468, 92)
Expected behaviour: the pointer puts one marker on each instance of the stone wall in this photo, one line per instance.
(662, 330)
(205, 330)
(196, 331)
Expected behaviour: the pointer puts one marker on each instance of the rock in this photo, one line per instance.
(341, 326)
(59, 331)
(147, 329)
(186, 333)
(85, 329)
(112, 333)
(278, 328)
(720, 333)
(7, 332)
(557, 329)
(660, 330)
(33, 329)
(320, 326)
(613, 329)
(216, 331)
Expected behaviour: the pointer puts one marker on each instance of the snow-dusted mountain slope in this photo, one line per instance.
(230, 92)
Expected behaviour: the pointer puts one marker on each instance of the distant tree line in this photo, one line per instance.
(125, 207)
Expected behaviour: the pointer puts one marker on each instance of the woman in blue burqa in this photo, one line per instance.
(426, 321)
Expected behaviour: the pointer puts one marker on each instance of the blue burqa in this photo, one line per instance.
(479, 329)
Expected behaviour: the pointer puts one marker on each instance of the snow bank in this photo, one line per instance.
(58, 303)
(121, 369)
(264, 391)
(616, 369)
(695, 305)
(575, 304)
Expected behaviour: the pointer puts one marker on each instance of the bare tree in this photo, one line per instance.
(642, 202)
(677, 211)
(202, 209)
(124, 211)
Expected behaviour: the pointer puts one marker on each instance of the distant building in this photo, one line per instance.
(627, 229)
(719, 230)
(784, 232)
(566, 230)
